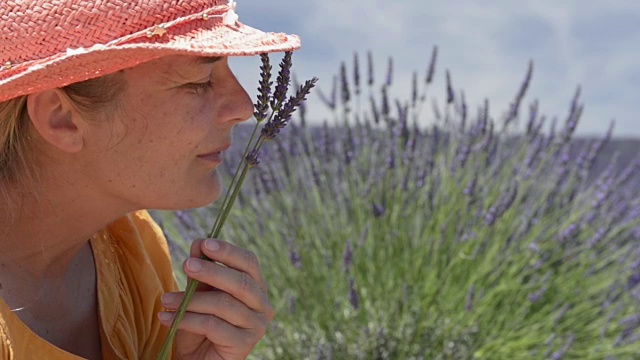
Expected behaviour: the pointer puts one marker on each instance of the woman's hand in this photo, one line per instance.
(229, 313)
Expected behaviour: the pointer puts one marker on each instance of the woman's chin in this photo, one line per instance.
(191, 202)
(191, 196)
(204, 198)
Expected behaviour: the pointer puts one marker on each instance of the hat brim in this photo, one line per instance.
(87, 63)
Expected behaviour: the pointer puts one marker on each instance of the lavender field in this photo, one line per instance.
(487, 234)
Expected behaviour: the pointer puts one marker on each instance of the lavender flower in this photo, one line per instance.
(344, 86)
(356, 73)
(569, 233)
(414, 90)
(370, 78)
(572, 120)
(374, 110)
(303, 106)
(593, 152)
(270, 130)
(378, 210)
(186, 220)
(470, 296)
(354, 299)
(630, 324)
(533, 115)
(264, 90)
(533, 153)
(462, 155)
(552, 131)
(385, 104)
(420, 178)
(282, 82)
(330, 102)
(294, 256)
(389, 72)
(515, 105)
(558, 355)
(535, 296)
(633, 281)
(349, 146)
(501, 206)
(347, 256)
(463, 111)
(599, 235)
(327, 140)
(281, 119)
(403, 113)
(483, 120)
(450, 95)
(471, 186)
(561, 314)
(253, 158)
(534, 248)
(291, 304)
(432, 65)
(550, 339)
(391, 159)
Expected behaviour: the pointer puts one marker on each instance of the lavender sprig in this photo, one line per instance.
(450, 95)
(282, 82)
(264, 91)
(278, 119)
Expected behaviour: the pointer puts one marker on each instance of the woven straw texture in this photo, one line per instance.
(52, 43)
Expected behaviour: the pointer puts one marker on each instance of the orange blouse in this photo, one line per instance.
(133, 269)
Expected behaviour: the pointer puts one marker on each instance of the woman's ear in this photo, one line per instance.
(56, 120)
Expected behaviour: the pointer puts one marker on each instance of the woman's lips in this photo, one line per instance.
(215, 157)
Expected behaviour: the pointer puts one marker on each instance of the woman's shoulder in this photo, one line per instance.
(139, 236)
(132, 257)
(141, 247)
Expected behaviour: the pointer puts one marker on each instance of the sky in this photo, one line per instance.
(486, 46)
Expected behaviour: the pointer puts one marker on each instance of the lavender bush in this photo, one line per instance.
(476, 237)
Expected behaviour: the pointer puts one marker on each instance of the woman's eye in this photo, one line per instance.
(200, 88)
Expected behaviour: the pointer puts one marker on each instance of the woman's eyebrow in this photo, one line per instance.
(184, 72)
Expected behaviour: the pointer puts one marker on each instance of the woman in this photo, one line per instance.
(108, 108)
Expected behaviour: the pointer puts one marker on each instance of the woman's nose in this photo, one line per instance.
(240, 104)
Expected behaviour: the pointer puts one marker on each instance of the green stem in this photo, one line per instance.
(235, 176)
(225, 212)
(188, 294)
(227, 204)
(193, 284)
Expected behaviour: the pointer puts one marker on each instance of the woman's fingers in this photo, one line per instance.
(196, 252)
(216, 330)
(234, 282)
(230, 255)
(234, 257)
(219, 304)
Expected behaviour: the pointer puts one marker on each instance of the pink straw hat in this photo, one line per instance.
(46, 44)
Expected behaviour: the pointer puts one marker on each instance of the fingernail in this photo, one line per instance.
(212, 245)
(164, 316)
(167, 298)
(194, 265)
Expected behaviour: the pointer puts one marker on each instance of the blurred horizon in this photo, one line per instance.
(485, 47)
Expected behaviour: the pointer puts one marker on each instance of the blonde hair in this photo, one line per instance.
(18, 169)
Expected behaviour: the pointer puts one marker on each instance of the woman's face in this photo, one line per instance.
(162, 147)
